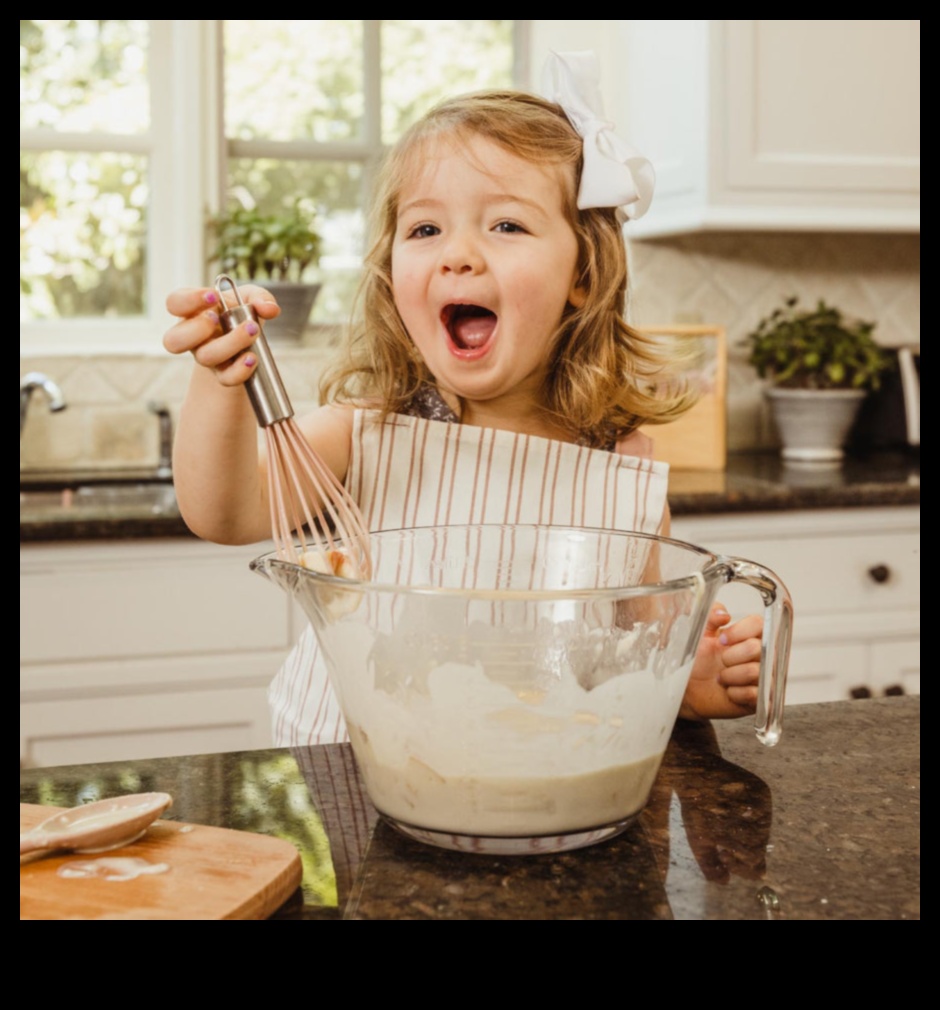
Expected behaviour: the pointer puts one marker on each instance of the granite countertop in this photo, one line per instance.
(751, 482)
(824, 826)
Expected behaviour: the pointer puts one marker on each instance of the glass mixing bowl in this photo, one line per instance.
(512, 689)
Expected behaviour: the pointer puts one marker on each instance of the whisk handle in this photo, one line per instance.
(265, 388)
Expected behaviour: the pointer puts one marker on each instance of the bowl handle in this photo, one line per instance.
(775, 644)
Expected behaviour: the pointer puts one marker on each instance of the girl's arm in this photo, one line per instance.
(219, 461)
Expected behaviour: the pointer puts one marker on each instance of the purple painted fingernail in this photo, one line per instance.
(723, 638)
(251, 328)
(213, 317)
(210, 297)
(249, 361)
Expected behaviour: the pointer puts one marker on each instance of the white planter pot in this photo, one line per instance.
(814, 424)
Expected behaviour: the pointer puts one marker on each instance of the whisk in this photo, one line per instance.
(304, 494)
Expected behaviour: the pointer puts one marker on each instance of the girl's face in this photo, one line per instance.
(484, 263)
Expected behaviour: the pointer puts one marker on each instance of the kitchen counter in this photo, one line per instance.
(762, 482)
(752, 482)
(824, 826)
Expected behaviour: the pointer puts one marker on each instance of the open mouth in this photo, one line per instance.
(470, 326)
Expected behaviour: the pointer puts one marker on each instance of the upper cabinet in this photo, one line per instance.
(775, 125)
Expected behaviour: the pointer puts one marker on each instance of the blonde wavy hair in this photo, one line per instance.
(605, 378)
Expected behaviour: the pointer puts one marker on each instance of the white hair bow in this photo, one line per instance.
(615, 174)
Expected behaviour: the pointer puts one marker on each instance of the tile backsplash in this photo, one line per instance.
(727, 279)
(107, 422)
(734, 279)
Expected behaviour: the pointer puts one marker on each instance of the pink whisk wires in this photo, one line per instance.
(307, 501)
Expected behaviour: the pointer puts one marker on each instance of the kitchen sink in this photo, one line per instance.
(99, 496)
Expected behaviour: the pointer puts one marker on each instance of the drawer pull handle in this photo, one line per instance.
(879, 573)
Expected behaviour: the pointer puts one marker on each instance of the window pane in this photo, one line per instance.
(82, 234)
(335, 189)
(84, 75)
(305, 80)
(293, 80)
(424, 61)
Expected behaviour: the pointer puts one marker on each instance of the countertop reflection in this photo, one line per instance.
(824, 826)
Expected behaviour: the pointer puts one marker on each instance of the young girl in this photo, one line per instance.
(492, 377)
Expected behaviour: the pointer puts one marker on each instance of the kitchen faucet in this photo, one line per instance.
(38, 380)
(165, 462)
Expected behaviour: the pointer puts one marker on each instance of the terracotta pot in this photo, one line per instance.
(814, 424)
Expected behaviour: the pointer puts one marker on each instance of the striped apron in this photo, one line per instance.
(409, 471)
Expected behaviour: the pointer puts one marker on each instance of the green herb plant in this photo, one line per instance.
(253, 246)
(816, 349)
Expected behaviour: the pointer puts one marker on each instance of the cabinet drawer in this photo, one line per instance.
(839, 574)
(818, 673)
(896, 665)
(92, 730)
(858, 561)
(134, 601)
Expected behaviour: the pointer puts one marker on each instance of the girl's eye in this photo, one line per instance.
(509, 227)
(424, 231)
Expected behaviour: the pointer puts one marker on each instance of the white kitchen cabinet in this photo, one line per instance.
(775, 125)
(854, 575)
(145, 648)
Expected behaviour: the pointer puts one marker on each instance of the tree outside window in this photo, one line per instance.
(306, 109)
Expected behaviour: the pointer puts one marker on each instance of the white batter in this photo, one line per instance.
(496, 749)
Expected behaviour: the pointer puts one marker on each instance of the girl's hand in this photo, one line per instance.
(197, 330)
(726, 670)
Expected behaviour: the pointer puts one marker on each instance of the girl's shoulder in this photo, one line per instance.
(329, 430)
(328, 425)
(635, 444)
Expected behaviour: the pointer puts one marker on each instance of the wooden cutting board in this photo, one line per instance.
(698, 440)
(175, 871)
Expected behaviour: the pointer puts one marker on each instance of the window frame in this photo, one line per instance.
(178, 180)
(188, 156)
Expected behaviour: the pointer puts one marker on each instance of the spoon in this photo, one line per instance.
(95, 827)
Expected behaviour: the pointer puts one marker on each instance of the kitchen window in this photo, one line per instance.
(132, 131)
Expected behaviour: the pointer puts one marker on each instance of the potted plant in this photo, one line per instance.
(820, 365)
(274, 250)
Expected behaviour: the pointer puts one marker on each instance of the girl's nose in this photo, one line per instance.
(461, 255)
